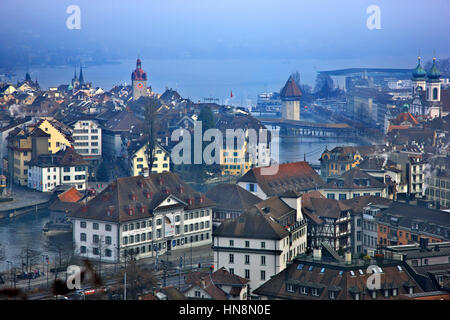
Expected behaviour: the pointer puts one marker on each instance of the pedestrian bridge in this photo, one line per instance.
(309, 129)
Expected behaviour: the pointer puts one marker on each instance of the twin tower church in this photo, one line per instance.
(426, 91)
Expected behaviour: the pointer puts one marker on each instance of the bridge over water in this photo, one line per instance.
(309, 129)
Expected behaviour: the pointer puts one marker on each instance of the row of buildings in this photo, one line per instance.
(253, 237)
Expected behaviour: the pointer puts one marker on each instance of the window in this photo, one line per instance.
(304, 290)
(231, 270)
(82, 224)
(330, 195)
(315, 292)
(131, 239)
(82, 249)
(66, 169)
(231, 243)
(263, 244)
(247, 274)
(290, 287)
(83, 237)
(66, 178)
(95, 226)
(332, 295)
(247, 259)
(125, 227)
(263, 260)
(96, 251)
(108, 252)
(125, 240)
(231, 258)
(107, 240)
(95, 238)
(342, 196)
(247, 244)
(263, 275)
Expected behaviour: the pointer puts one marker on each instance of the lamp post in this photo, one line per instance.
(10, 271)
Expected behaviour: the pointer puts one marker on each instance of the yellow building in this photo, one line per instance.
(138, 161)
(60, 134)
(236, 161)
(341, 159)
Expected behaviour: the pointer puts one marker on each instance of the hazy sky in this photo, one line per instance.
(229, 28)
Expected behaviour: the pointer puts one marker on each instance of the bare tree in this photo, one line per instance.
(28, 256)
(150, 131)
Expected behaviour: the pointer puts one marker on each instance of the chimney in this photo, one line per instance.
(348, 257)
(203, 282)
(317, 254)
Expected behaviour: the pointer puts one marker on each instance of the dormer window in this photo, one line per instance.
(332, 295)
(290, 287)
(374, 294)
(315, 292)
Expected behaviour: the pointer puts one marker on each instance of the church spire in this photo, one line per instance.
(81, 75)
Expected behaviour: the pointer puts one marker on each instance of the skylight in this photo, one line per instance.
(352, 272)
(399, 268)
(341, 272)
(322, 270)
(310, 268)
(300, 267)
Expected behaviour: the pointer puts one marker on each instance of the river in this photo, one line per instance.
(24, 232)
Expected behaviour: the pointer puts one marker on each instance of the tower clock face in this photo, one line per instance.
(140, 85)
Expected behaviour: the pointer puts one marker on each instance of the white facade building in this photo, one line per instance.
(148, 216)
(256, 246)
(87, 135)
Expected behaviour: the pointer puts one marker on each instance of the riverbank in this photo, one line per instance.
(24, 201)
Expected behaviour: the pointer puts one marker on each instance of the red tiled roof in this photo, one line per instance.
(405, 116)
(71, 195)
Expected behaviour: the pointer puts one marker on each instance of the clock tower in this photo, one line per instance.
(139, 81)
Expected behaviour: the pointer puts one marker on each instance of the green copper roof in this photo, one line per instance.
(434, 73)
(419, 72)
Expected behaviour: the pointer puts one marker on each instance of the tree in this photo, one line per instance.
(206, 117)
(296, 76)
(150, 131)
(102, 172)
(139, 279)
(324, 86)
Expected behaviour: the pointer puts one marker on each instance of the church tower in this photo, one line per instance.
(434, 91)
(139, 81)
(434, 83)
(290, 97)
(418, 78)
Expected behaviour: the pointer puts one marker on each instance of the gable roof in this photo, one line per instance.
(297, 176)
(231, 197)
(252, 224)
(278, 208)
(71, 195)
